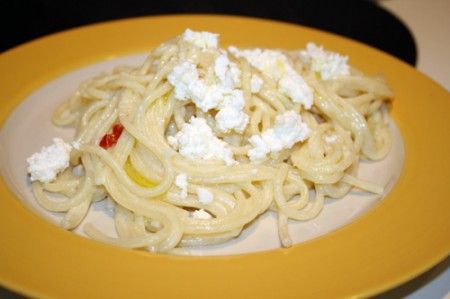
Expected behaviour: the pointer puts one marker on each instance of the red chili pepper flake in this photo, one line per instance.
(110, 139)
(117, 130)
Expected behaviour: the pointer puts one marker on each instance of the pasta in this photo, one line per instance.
(198, 141)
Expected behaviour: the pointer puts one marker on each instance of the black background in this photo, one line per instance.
(362, 20)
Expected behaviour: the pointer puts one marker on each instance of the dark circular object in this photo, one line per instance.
(357, 19)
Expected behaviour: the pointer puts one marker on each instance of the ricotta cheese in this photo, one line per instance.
(276, 65)
(202, 39)
(288, 130)
(328, 64)
(223, 97)
(43, 166)
(204, 196)
(227, 72)
(185, 79)
(196, 141)
(181, 78)
(181, 182)
(201, 214)
(231, 115)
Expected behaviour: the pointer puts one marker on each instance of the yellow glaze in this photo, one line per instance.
(404, 235)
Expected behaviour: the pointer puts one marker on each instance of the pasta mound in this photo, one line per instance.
(280, 138)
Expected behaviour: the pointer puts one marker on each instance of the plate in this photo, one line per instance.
(400, 237)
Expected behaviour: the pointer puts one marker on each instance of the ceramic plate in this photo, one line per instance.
(372, 245)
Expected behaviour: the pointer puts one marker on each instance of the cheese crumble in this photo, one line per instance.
(204, 196)
(223, 96)
(43, 166)
(196, 140)
(201, 214)
(181, 182)
(227, 72)
(202, 39)
(328, 64)
(288, 130)
(276, 65)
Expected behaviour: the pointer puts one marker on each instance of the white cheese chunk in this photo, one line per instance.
(293, 86)
(181, 182)
(51, 160)
(231, 115)
(202, 39)
(181, 77)
(201, 214)
(204, 96)
(288, 130)
(185, 78)
(230, 118)
(270, 62)
(276, 65)
(328, 64)
(196, 140)
(204, 196)
(260, 148)
(230, 102)
(228, 72)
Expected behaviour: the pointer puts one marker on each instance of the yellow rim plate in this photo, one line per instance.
(401, 237)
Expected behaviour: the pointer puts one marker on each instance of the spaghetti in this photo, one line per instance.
(198, 141)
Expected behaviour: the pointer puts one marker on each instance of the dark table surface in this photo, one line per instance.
(361, 20)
